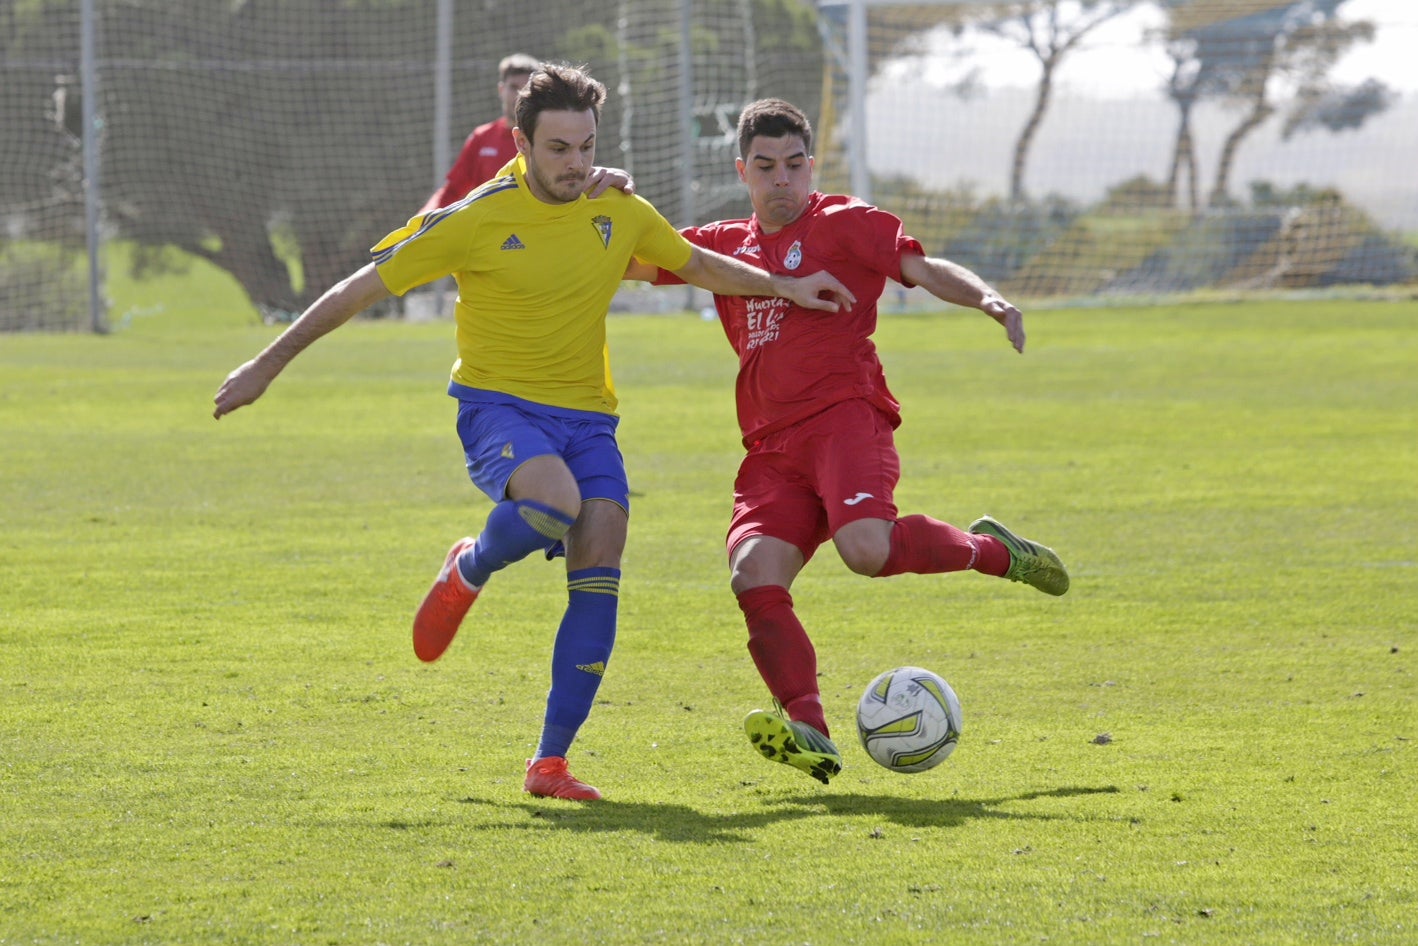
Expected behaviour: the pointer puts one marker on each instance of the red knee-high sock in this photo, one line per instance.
(921, 545)
(783, 653)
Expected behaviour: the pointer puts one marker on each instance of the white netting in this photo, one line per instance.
(278, 139)
(1290, 171)
(42, 274)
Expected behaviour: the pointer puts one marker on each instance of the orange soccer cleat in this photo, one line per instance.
(443, 607)
(548, 778)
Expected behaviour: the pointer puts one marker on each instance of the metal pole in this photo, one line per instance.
(686, 116)
(442, 90)
(686, 129)
(442, 115)
(93, 129)
(857, 92)
(624, 90)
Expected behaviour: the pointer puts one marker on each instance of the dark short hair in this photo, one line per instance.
(557, 87)
(773, 118)
(517, 64)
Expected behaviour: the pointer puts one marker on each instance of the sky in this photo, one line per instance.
(1114, 50)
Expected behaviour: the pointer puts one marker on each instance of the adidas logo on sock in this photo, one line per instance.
(598, 668)
(512, 243)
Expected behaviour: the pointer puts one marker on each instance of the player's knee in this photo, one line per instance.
(597, 538)
(864, 545)
(763, 560)
(548, 481)
(589, 550)
(868, 565)
(749, 572)
(864, 556)
(743, 578)
(566, 501)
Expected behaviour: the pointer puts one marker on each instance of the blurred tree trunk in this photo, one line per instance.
(1043, 28)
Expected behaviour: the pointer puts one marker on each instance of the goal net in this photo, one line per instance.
(279, 139)
(1069, 150)
(276, 140)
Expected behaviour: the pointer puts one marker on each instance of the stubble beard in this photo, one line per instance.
(563, 189)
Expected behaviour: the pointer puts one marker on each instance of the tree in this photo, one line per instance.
(1050, 29)
(257, 135)
(43, 269)
(1252, 61)
(1184, 89)
(279, 139)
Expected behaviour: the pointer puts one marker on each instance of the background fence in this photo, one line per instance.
(1063, 149)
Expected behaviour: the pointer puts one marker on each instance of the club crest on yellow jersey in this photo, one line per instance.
(602, 224)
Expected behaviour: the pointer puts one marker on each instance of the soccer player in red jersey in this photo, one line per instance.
(817, 419)
(490, 146)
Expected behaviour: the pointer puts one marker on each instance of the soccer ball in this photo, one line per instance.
(909, 720)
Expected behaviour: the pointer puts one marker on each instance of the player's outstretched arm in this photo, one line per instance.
(726, 276)
(953, 283)
(338, 305)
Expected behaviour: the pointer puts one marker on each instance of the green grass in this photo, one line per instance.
(215, 731)
(182, 290)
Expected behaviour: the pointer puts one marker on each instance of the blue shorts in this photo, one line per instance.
(501, 432)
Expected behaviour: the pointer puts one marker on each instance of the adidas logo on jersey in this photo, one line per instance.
(512, 243)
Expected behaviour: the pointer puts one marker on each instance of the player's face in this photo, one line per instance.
(561, 157)
(778, 173)
(507, 91)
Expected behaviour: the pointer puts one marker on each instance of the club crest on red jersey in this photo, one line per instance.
(794, 259)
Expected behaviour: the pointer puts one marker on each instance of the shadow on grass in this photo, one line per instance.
(666, 822)
(936, 813)
(681, 823)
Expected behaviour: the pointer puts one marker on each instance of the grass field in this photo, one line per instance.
(215, 731)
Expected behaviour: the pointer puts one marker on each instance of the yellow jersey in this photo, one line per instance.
(535, 282)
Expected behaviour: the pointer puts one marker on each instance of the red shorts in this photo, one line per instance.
(804, 483)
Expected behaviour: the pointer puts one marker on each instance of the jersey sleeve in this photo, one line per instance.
(660, 244)
(697, 236)
(428, 247)
(875, 238)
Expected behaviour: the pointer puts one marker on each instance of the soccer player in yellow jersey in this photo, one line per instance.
(537, 263)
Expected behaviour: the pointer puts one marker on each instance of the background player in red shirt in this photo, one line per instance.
(817, 420)
(490, 146)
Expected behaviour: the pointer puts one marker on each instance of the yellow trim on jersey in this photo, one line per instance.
(535, 282)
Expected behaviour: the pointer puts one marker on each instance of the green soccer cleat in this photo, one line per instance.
(1029, 562)
(793, 743)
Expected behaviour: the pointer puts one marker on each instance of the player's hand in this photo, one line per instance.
(601, 180)
(241, 387)
(808, 291)
(1007, 315)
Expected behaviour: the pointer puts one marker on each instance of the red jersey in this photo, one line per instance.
(487, 149)
(794, 362)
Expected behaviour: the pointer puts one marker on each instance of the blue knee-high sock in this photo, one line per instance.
(579, 657)
(514, 530)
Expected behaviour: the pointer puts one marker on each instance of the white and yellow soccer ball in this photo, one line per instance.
(909, 720)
